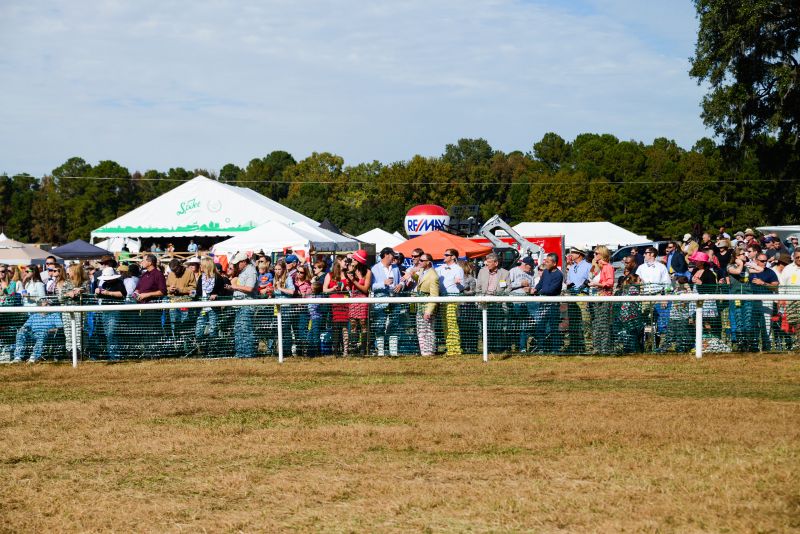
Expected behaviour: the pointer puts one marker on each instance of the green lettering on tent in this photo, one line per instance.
(210, 226)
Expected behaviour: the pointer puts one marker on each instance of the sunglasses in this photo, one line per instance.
(415, 256)
(52, 270)
(448, 254)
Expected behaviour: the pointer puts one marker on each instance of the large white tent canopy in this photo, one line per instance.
(381, 238)
(276, 237)
(200, 207)
(583, 235)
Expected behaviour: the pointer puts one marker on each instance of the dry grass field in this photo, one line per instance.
(655, 444)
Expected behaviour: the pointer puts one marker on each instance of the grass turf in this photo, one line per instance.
(432, 444)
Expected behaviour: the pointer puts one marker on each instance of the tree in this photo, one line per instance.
(552, 151)
(747, 51)
(266, 175)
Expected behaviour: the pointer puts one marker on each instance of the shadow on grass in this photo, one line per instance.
(256, 418)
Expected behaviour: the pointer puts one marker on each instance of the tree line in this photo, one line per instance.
(658, 189)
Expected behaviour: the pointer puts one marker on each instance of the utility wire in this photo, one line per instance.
(371, 182)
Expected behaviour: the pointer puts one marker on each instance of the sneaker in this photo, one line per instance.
(16, 360)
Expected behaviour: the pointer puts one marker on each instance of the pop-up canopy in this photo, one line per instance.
(381, 238)
(436, 242)
(79, 250)
(16, 253)
(276, 237)
(197, 208)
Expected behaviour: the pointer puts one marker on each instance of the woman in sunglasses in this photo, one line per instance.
(6, 283)
(31, 287)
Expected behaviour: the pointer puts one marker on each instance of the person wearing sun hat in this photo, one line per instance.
(243, 288)
(111, 290)
(360, 277)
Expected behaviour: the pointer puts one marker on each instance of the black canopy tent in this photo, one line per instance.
(79, 250)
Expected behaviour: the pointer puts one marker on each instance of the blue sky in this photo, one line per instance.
(160, 84)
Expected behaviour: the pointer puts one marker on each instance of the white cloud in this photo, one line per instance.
(164, 84)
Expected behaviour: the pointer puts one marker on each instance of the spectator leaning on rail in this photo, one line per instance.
(111, 290)
(35, 330)
(493, 280)
(577, 313)
(75, 284)
(385, 282)
(602, 283)
(428, 286)
(181, 283)
(210, 285)
(244, 338)
(764, 281)
(451, 279)
(546, 335)
(521, 280)
(790, 285)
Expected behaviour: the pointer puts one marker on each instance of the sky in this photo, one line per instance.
(162, 84)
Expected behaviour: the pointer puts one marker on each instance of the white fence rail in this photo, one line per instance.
(280, 303)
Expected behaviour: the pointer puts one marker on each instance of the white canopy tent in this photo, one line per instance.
(381, 238)
(115, 244)
(326, 240)
(200, 207)
(583, 235)
(274, 236)
(17, 253)
(5, 242)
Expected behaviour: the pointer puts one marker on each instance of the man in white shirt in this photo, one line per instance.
(451, 276)
(653, 274)
(385, 282)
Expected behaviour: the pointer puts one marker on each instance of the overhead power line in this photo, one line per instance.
(372, 182)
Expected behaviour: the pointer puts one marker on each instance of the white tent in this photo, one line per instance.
(326, 240)
(381, 238)
(583, 235)
(275, 237)
(16, 253)
(115, 244)
(200, 207)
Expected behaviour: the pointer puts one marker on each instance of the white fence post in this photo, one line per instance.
(485, 318)
(698, 330)
(280, 335)
(73, 328)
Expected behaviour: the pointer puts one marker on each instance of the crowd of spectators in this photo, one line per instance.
(703, 264)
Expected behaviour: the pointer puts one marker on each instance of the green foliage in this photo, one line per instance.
(747, 51)
(657, 189)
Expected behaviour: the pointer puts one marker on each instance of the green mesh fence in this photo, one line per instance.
(334, 327)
